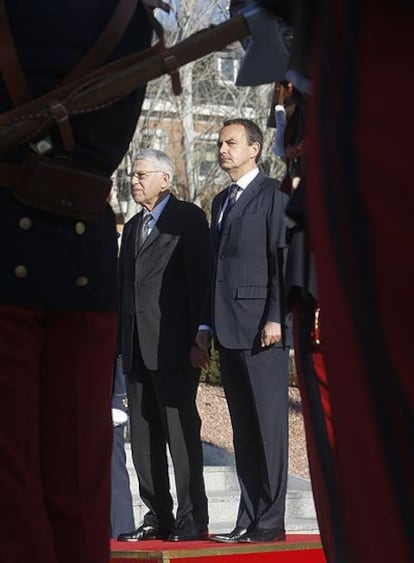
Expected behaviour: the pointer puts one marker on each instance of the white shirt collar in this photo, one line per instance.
(245, 180)
(158, 209)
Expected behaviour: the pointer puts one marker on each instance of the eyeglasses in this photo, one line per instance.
(143, 175)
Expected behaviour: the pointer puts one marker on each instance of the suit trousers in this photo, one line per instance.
(256, 388)
(163, 412)
(55, 435)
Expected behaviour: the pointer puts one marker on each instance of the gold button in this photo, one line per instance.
(80, 228)
(81, 281)
(25, 223)
(20, 271)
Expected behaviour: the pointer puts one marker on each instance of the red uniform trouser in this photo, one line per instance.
(55, 435)
(320, 439)
(361, 209)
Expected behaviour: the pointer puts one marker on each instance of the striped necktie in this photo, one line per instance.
(231, 200)
(143, 230)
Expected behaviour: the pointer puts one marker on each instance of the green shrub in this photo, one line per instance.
(212, 374)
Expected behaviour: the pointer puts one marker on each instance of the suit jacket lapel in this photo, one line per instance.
(215, 230)
(164, 219)
(150, 239)
(245, 198)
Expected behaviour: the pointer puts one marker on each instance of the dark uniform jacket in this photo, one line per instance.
(48, 261)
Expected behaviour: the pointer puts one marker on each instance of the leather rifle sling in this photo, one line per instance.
(18, 89)
(115, 80)
(16, 83)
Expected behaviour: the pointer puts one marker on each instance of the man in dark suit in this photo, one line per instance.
(164, 276)
(248, 238)
(58, 292)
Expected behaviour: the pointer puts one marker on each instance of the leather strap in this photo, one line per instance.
(114, 81)
(10, 68)
(61, 118)
(170, 62)
(16, 83)
(57, 187)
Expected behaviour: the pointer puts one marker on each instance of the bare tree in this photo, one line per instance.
(186, 126)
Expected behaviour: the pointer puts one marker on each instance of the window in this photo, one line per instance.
(206, 167)
(227, 69)
(153, 138)
(207, 151)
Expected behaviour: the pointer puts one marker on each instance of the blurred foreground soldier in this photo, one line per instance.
(249, 242)
(58, 299)
(301, 288)
(164, 276)
(359, 205)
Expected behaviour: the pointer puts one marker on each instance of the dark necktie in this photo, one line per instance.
(143, 230)
(231, 200)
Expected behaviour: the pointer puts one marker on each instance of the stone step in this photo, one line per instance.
(223, 496)
(223, 508)
(222, 476)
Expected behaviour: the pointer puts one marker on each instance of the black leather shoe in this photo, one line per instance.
(259, 535)
(189, 531)
(232, 537)
(142, 533)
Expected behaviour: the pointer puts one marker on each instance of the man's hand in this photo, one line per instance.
(271, 334)
(202, 339)
(199, 358)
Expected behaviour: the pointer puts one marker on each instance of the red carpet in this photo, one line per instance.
(298, 548)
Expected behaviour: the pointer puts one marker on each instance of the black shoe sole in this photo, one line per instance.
(281, 537)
